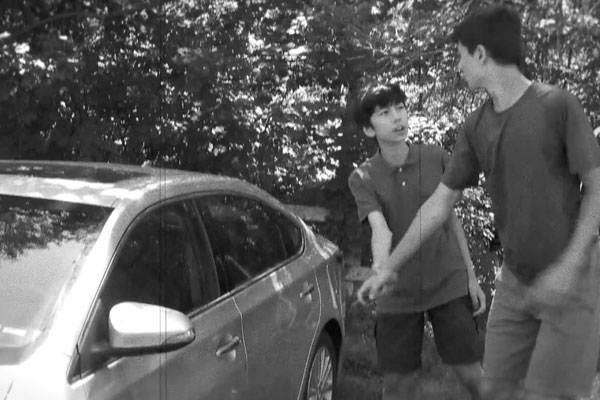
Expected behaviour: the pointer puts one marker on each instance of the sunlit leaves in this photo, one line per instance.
(260, 89)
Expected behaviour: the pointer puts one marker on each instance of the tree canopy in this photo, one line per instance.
(258, 89)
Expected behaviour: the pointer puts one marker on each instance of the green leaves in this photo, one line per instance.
(262, 90)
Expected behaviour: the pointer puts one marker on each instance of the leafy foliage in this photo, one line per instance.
(258, 89)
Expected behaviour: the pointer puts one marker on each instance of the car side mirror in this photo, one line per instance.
(139, 328)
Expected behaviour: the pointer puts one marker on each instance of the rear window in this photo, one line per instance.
(41, 244)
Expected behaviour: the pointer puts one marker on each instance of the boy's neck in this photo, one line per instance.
(507, 85)
(394, 153)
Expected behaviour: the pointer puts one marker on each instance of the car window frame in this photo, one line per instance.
(73, 372)
(98, 309)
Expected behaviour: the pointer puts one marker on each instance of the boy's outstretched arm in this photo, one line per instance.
(432, 214)
(475, 292)
(381, 239)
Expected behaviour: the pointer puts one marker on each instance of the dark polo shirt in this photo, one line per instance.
(533, 155)
(437, 273)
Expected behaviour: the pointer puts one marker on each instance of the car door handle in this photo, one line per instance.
(227, 347)
(308, 290)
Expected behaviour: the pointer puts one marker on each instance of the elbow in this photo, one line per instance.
(388, 236)
(383, 236)
(447, 212)
(438, 212)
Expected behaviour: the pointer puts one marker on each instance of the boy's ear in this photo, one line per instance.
(480, 53)
(368, 131)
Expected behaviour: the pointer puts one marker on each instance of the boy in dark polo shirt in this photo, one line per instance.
(536, 148)
(389, 188)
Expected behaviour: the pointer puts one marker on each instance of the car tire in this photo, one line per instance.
(322, 372)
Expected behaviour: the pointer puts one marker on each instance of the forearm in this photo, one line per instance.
(381, 244)
(588, 223)
(381, 238)
(429, 218)
(463, 245)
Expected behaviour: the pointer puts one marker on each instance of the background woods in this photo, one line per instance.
(259, 89)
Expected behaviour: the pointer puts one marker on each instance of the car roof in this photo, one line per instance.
(105, 184)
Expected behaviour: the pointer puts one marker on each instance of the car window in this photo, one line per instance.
(157, 264)
(245, 239)
(42, 243)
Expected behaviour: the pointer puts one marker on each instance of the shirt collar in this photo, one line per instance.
(388, 168)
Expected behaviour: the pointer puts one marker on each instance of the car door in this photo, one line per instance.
(258, 252)
(163, 261)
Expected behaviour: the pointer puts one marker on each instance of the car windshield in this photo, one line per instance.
(41, 243)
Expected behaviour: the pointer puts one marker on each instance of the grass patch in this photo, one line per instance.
(360, 378)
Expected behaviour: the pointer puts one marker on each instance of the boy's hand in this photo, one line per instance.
(375, 285)
(554, 286)
(477, 297)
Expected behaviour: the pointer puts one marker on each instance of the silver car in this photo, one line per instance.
(124, 282)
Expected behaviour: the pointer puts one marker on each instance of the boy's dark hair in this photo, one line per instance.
(376, 95)
(497, 28)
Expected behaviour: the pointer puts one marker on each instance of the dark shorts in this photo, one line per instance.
(399, 337)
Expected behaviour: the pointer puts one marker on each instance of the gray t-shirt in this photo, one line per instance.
(533, 156)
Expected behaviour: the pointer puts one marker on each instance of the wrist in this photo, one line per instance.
(385, 271)
(471, 272)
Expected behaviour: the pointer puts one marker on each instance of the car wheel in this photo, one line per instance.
(322, 373)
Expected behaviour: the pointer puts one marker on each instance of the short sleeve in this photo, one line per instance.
(463, 169)
(583, 151)
(364, 194)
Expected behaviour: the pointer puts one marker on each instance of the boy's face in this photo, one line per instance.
(388, 124)
(470, 66)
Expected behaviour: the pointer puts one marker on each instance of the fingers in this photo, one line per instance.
(370, 289)
(551, 299)
(474, 300)
(481, 303)
(364, 292)
(480, 310)
(361, 294)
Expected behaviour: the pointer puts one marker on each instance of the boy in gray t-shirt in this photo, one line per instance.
(536, 148)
